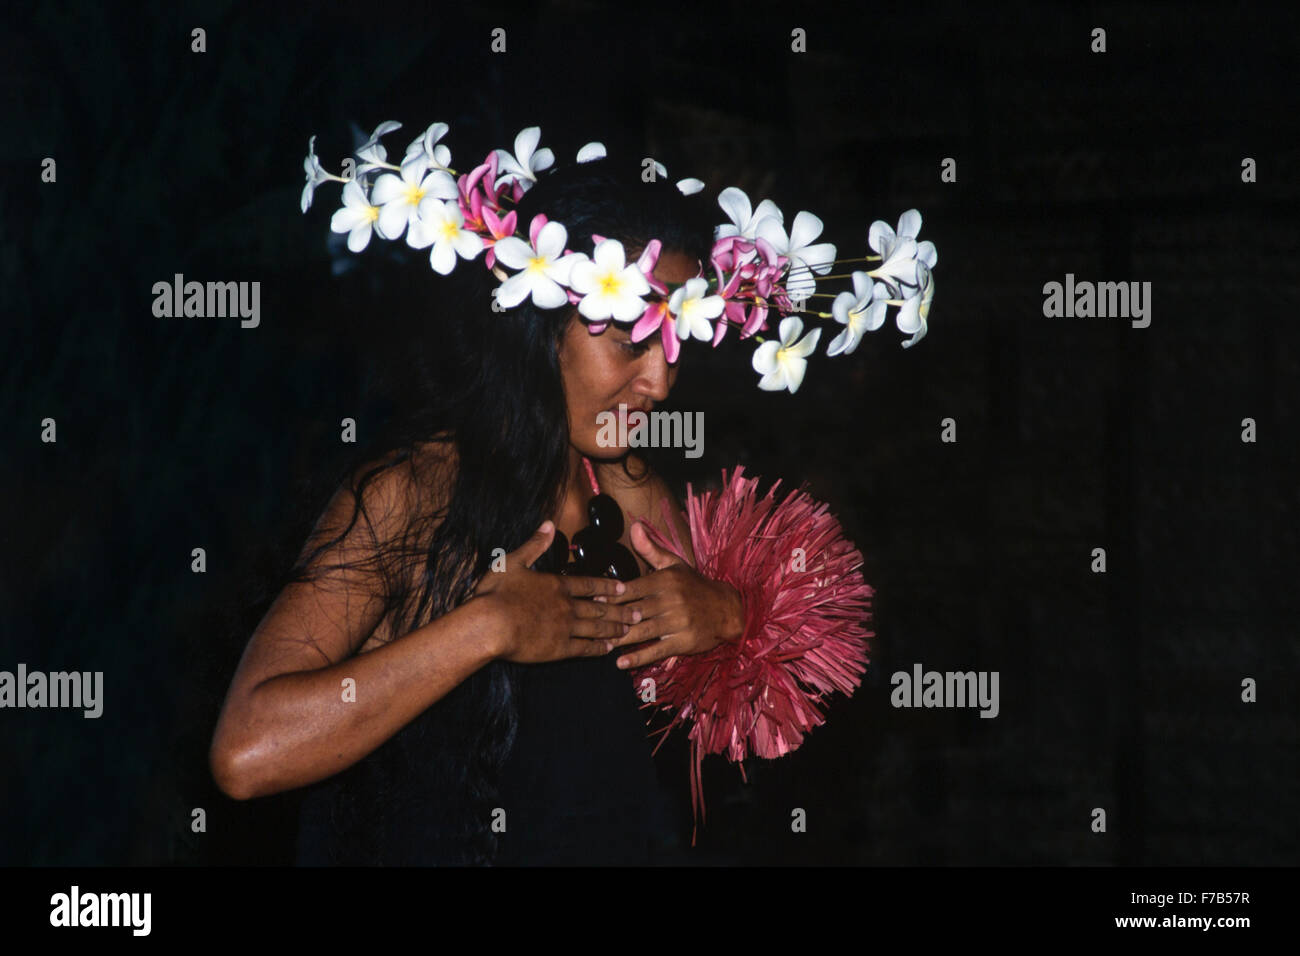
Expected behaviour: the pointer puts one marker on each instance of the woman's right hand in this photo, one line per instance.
(552, 617)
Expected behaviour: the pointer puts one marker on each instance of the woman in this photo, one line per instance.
(443, 711)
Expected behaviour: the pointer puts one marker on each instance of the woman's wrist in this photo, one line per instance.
(735, 629)
(496, 625)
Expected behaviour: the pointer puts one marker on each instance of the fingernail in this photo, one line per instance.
(621, 588)
(609, 646)
(636, 614)
(622, 663)
(625, 628)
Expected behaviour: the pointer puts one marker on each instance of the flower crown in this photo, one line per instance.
(758, 265)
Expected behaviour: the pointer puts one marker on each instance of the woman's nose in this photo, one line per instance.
(655, 379)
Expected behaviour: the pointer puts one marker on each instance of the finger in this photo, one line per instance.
(589, 648)
(590, 587)
(660, 649)
(594, 628)
(644, 586)
(532, 549)
(651, 628)
(655, 556)
(634, 590)
(606, 612)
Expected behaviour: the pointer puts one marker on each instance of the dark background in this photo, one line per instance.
(1118, 690)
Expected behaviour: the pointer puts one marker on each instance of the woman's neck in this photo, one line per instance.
(579, 484)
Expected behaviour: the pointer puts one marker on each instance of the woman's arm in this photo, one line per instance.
(301, 706)
(302, 725)
(304, 705)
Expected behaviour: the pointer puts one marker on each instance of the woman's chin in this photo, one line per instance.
(594, 450)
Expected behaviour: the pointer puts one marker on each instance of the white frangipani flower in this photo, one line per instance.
(884, 241)
(404, 199)
(371, 152)
(527, 160)
(927, 253)
(610, 287)
(356, 218)
(544, 267)
(782, 364)
(439, 157)
(591, 152)
(441, 223)
(803, 255)
(909, 224)
(315, 174)
(689, 187)
(860, 311)
(916, 308)
(692, 309)
(744, 220)
(899, 264)
(909, 227)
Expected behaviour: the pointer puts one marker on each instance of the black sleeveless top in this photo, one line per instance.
(578, 787)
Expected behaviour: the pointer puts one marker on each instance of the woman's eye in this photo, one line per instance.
(637, 348)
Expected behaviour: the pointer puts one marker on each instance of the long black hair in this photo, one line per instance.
(490, 382)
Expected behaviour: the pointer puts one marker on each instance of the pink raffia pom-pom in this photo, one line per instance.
(806, 613)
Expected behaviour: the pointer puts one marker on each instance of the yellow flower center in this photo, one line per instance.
(450, 231)
(537, 264)
(372, 213)
(610, 284)
(414, 194)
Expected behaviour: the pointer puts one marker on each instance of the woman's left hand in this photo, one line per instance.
(682, 612)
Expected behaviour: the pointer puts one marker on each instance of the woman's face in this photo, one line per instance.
(602, 371)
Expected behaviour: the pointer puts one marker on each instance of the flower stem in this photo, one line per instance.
(835, 262)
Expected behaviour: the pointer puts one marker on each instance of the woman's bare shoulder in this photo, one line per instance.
(433, 466)
(420, 477)
(440, 450)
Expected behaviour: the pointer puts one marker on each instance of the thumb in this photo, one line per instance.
(536, 546)
(655, 556)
